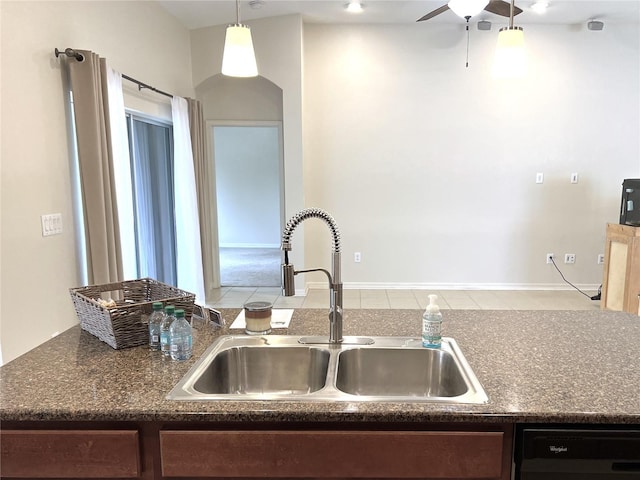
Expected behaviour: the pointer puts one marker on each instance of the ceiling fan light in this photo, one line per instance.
(540, 6)
(354, 6)
(510, 59)
(467, 8)
(238, 57)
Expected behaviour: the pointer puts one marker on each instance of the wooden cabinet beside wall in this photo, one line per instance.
(621, 278)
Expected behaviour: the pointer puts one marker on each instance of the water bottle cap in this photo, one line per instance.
(157, 305)
(170, 309)
(179, 312)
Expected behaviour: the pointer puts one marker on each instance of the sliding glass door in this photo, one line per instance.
(151, 152)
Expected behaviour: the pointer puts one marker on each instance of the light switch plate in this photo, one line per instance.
(51, 224)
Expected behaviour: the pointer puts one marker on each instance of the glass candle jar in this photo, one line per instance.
(258, 318)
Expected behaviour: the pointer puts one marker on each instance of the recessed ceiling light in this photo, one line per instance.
(256, 4)
(540, 6)
(354, 6)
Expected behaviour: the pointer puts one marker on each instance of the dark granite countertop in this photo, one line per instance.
(536, 366)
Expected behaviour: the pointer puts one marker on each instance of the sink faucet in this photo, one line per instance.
(335, 282)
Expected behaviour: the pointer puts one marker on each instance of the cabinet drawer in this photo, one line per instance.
(70, 453)
(332, 454)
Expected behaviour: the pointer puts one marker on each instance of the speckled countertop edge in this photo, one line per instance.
(536, 367)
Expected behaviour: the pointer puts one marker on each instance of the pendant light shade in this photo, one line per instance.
(238, 57)
(467, 8)
(510, 60)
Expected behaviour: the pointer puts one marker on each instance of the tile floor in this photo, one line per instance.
(235, 297)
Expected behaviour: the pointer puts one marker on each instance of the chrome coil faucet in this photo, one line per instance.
(335, 282)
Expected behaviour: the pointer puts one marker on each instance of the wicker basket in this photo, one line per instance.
(126, 324)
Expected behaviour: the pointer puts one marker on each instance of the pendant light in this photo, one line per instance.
(510, 60)
(467, 8)
(238, 58)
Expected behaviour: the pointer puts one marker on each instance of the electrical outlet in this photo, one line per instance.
(357, 257)
(600, 258)
(539, 177)
(574, 178)
(569, 258)
(550, 257)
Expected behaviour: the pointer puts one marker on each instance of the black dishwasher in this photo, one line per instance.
(577, 453)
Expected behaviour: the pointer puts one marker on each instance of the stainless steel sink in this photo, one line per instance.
(273, 367)
(250, 370)
(399, 372)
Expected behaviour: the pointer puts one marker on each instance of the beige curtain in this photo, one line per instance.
(90, 107)
(204, 185)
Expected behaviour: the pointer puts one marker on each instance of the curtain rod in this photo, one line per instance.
(70, 52)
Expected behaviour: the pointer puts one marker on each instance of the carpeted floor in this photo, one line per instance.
(250, 267)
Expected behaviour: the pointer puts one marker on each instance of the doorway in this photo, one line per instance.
(249, 177)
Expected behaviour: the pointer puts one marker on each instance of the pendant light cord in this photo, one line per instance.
(511, 8)
(237, 12)
(467, 62)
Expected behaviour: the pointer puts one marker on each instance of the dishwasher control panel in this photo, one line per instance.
(578, 453)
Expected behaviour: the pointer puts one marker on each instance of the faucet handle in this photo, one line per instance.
(288, 282)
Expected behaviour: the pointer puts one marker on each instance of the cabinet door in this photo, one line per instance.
(332, 454)
(70, 454)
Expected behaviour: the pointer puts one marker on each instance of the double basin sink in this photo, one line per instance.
(282, 367)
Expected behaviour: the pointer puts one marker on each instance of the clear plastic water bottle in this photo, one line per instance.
(165, 325)
(155, 319)
(181, 337)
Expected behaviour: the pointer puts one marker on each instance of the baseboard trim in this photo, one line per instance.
(451, 286)
(250, 245)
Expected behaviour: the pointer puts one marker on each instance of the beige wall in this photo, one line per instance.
(36, 271)
(429, 167)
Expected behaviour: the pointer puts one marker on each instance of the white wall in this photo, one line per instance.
(247, 160)
(35, 179)
(244, 219)
(429, 167)
(278, 46)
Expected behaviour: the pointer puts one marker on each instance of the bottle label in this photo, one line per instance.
(181, 343)
(155, 338)
(431, 331)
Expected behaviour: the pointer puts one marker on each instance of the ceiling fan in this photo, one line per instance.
(469, 8)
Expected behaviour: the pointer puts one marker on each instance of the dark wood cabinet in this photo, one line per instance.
(70, 454)
(435, 452)
(334, 454)
(156, 450)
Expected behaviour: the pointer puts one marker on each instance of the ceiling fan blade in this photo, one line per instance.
(500, 7)
(437, 11)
